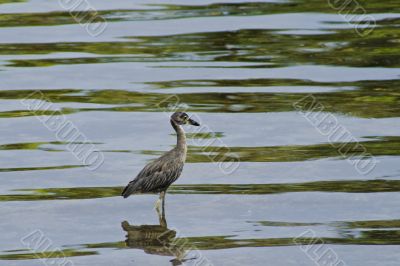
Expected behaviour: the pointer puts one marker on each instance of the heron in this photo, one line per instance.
(159, 174)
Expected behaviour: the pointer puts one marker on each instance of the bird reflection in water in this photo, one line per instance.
(156, 239)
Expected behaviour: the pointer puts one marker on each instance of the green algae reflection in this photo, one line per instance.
(354, 186)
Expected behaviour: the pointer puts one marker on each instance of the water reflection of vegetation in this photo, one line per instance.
(22, 113)
(247, 45)
(47, 255)
(374, 232)
(39, 145)
(204, 135)
(258, 46)
(39, 168)
(11, 1)
(375, 146)
(387, 237)
(384, 146)
(373, 224)
(373, 99)
(382, 237)
(370, 99)
(371, 237)
(354, 186)
(342, 225)
(158, 239)
(285, 224)
(170, 11)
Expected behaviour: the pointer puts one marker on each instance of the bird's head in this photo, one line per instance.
(181, 118)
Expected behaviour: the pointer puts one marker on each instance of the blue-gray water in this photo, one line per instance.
(240, 66)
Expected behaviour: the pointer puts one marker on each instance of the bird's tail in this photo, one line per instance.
(129, 189)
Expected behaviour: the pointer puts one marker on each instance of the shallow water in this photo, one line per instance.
(241, 67)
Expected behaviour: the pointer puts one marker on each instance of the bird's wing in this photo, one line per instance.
(155, 175)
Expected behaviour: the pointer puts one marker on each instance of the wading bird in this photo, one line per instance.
(158, 175)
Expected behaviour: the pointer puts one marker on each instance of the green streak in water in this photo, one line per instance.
(354, 186)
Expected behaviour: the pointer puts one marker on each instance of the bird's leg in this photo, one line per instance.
(161, 216)
(162, 196)
(158, 204)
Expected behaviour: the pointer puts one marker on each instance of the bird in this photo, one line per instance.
(159, 174)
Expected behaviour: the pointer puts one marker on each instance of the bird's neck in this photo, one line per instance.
(181, 138)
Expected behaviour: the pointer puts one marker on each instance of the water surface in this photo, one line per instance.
(239, 66)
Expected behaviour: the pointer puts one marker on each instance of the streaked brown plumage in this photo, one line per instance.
(159, 174)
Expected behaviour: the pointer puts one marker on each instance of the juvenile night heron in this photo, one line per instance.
(158, 175)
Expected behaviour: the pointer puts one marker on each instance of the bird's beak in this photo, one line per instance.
(193, 123)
